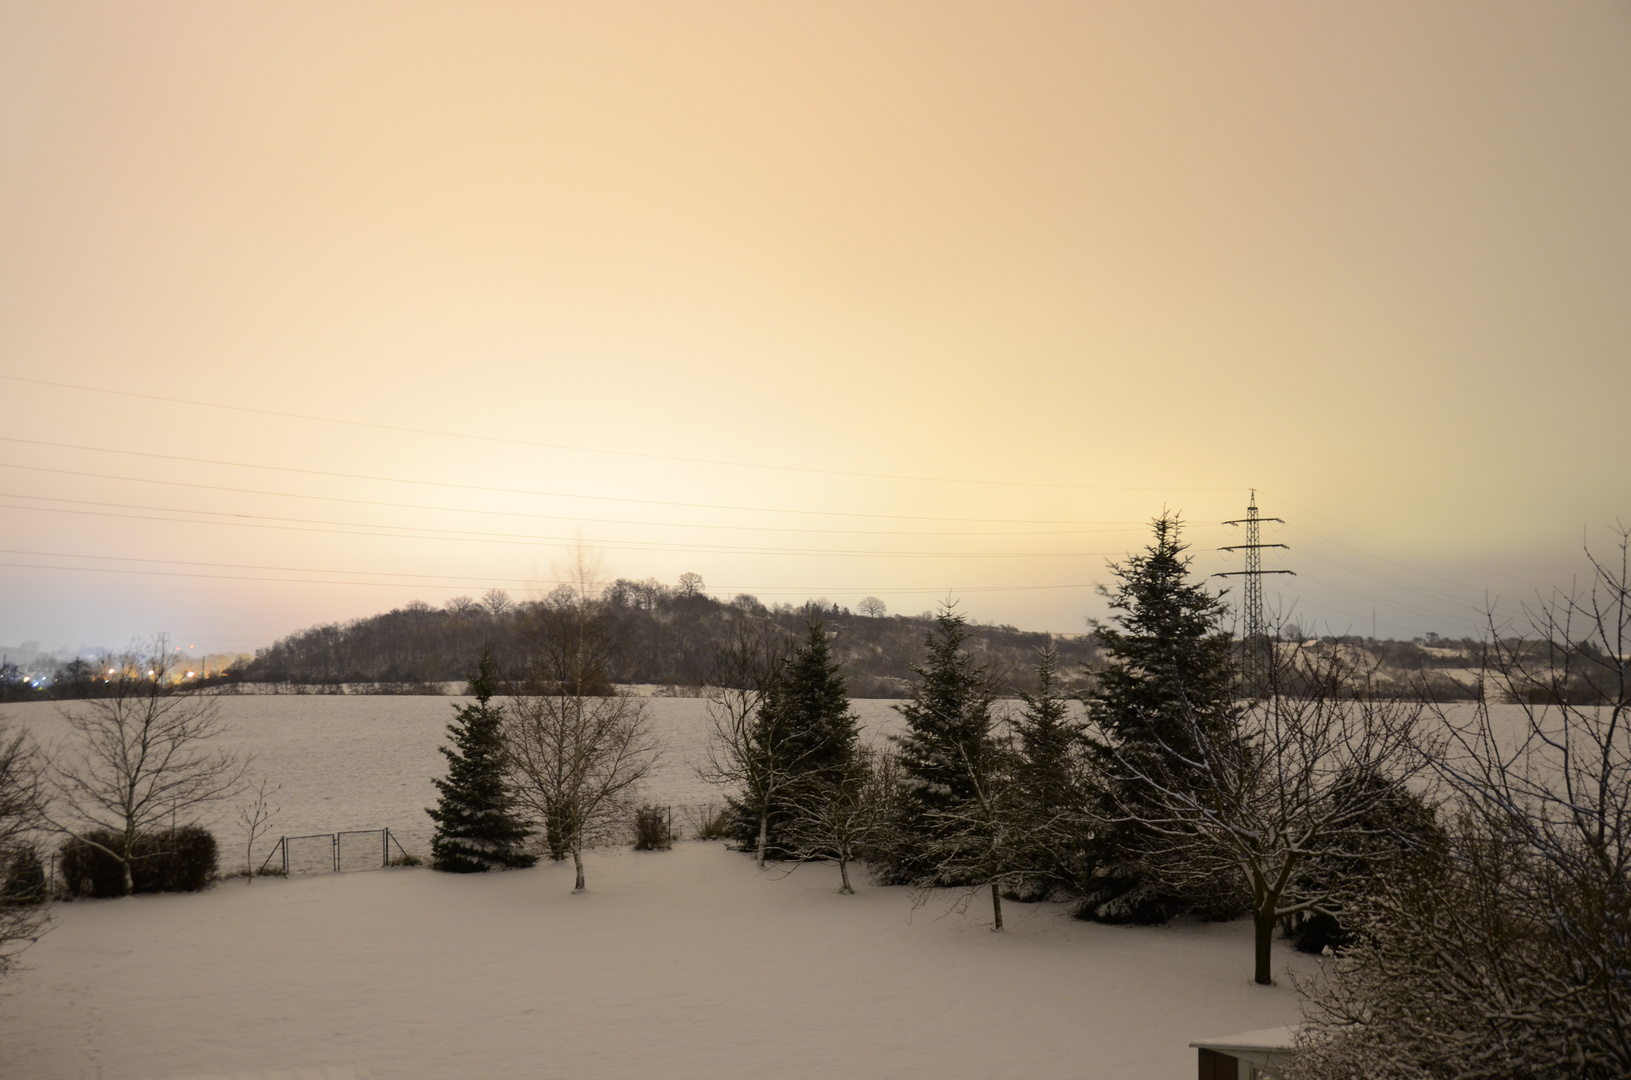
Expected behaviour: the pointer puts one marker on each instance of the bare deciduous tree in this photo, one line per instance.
(578, 745)
(142, 758)
(1256, 793)
(846, 817)
(747, 750)
(21, 794)
(872, 607)
(1512, 957)
(691, 584)
(255, 818)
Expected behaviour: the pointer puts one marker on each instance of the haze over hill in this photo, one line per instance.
(305, 312)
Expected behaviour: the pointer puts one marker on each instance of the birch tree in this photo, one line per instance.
(144, 756)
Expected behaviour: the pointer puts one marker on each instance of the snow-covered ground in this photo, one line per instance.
(360, 762)
(677, 964)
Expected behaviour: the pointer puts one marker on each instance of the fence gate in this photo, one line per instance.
(340, 852)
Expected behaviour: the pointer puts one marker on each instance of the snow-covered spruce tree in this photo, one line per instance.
(948, 745)
(806, 724)
(477, 827)
(1169, 671)
(1049, 783)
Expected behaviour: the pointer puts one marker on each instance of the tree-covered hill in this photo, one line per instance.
(668, 636)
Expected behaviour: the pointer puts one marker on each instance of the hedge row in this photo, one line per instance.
(182, 860)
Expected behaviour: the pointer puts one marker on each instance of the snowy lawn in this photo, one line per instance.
(675, 964)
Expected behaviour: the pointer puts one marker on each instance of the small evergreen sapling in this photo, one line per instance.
(477, 828)
(1050, 795)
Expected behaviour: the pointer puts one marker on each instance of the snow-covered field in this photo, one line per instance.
(366, 762)
(678, 964)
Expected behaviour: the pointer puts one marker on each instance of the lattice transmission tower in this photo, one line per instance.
(1254, 638)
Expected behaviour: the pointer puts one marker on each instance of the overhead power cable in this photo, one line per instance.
(854, 474)
(467, 585)
(1408, 547)
(512, 539)
(546, 494)
(564, 517)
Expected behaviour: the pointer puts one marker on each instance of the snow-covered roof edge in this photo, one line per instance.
(1275, 1038)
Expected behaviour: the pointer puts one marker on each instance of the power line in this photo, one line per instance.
(564, 517)
(588, 449)
(610, 545)
(520, 540)
(1408, 547)
(1379, 558)
(545, 494)
(765, 589)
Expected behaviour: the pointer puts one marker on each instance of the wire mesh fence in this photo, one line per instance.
(337, 852)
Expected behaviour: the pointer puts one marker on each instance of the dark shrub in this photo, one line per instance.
(710, 822)
(178, 861)
(651, 832)
(25, 878)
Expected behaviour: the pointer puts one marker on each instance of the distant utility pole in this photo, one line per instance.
(1254, 638)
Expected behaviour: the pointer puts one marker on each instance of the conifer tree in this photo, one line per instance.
(1169, 671)
(948, 746)
(1048, 780)
(806, 723)
(812, 701)
(477, 827)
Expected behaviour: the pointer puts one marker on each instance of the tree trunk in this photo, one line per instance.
(1263, 923)
(130, 881)
(843, 873)
(996, 908)
(577, 860)
(764, 836)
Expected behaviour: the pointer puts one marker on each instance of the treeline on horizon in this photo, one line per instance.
(669, 636)
(672, 635)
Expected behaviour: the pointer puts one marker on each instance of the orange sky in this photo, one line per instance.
(1374, 260)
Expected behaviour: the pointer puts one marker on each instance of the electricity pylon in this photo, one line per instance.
(1254, 638)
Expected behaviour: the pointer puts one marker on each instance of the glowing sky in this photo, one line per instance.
(708, 285)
